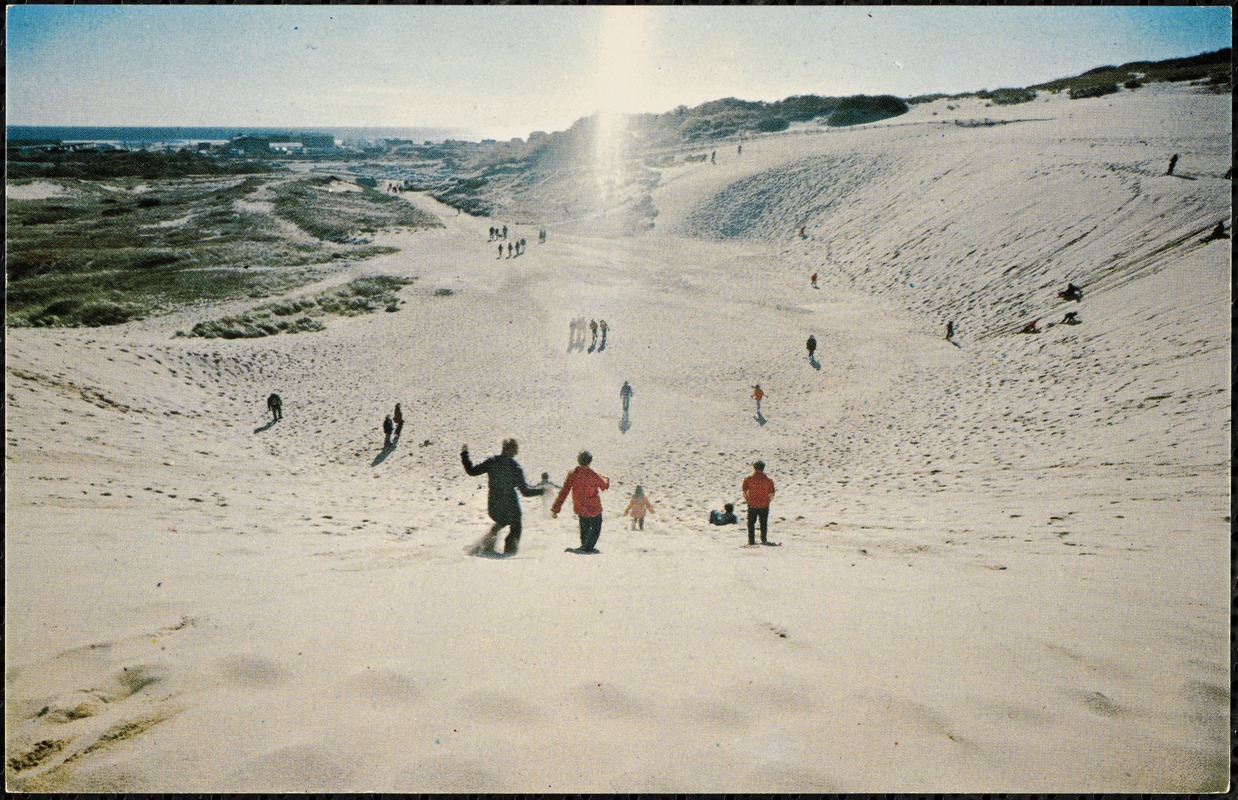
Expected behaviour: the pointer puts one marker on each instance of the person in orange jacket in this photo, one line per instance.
(638, 506)
(584, 484)
(758, 491)
(758, 395)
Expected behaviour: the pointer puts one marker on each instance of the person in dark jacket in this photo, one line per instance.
(506, 477)
(812, 346)
(276, 407)
(724, 517)
(388, 427)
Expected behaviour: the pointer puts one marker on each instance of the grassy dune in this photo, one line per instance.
(102, 253)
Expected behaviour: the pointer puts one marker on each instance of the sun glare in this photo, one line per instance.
(619, 85)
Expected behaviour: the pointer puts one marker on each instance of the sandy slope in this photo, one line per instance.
(1005, 564)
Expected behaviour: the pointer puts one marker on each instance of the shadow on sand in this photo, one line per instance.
(266, 427)
(386, 451)
(814, 362)
(625, 423)
(761, 420)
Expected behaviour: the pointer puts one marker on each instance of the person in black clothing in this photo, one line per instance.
(724, 517)
(950, 330)
(388, 427)
(1173, 162)
(276, 407)
(812, 346)
(503, 506)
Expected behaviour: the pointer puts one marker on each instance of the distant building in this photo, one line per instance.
(251, 145)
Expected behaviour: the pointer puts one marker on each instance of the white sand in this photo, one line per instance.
(34, 190)
(1005, 565)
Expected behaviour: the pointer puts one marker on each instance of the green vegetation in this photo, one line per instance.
(126, 164)
(861, 109)
(101, 253)
(1214, 69)
(360, 296)
(1007, 97)
(335, 216)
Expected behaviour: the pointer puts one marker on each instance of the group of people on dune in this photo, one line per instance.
(506, 478)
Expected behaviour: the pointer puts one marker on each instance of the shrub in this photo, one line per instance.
(104, 313)
(1095, 90)
(861, 109)
(773, 125)
(1133, 83)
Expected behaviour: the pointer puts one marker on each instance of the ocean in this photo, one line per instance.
(142, 137)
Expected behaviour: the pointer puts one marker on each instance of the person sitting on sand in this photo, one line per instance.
(276, 407)
(584, 484)
(502, 504)
(638, 506)
(724, 517)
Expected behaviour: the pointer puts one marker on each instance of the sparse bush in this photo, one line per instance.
(104, 313)
(1095, 90)
(773, 125)
(1133, 83)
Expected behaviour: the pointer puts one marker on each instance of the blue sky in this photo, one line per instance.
(508, 70)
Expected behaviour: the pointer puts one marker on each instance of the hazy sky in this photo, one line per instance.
(507, 70)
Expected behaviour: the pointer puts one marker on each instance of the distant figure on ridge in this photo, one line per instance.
(713, 157)
(758, 491)
(724, 517)
(1173, 162)
(584, 484)
(638, 506)
(502, 504)
(739, 150)
(276, 407)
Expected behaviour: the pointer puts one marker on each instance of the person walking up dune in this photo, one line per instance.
(502, 504)
(398, 419)
(758, 491)
(584, 485)
(388, 427)
(812, 346)
(638, 506)
(758, 395)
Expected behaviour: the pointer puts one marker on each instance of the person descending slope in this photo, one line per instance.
(638, 506)
(502, 504)
(584, 484)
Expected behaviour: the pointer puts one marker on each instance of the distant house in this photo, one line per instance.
(251, 145)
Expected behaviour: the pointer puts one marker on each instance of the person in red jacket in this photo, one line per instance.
(758, 490)
(584, 484)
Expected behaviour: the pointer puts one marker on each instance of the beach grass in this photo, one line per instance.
(101, 253)
(361, 295)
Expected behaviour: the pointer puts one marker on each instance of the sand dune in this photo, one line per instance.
(1004, 566)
